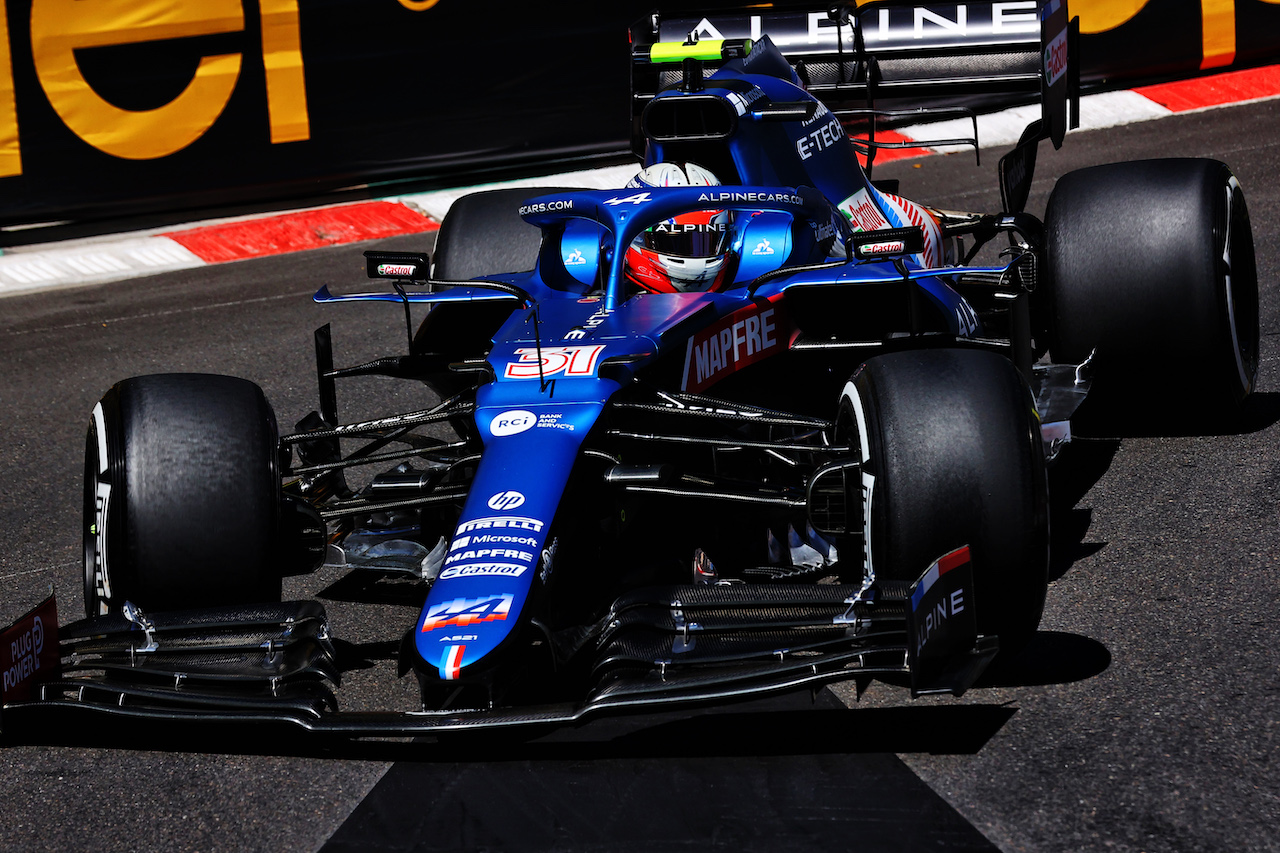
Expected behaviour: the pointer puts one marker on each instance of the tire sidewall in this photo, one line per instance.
(109, 574)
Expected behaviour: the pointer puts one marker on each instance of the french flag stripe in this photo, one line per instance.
(945, 563)
(958, 557)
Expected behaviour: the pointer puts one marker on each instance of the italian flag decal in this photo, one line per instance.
(451, 663)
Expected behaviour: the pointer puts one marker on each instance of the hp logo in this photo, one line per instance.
(504, 501)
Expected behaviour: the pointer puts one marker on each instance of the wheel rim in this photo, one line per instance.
(1239, 284)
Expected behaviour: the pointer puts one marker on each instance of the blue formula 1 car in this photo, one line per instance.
(752, 423)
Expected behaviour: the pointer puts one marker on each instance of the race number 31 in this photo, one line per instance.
(535, 363)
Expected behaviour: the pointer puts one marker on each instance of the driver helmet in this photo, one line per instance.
(689, 252)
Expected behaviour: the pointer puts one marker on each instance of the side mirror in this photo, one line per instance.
(402, 266)
(888, 242)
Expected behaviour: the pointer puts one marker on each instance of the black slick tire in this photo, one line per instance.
(482, 234)
(952, 456)
(182, 495)
(1152, 263)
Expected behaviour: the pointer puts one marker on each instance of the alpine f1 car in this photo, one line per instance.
(753, 423)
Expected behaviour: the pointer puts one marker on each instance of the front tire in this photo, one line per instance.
(952, 455)
(182, 495)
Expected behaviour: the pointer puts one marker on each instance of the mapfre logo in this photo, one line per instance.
(734, 342)
(60, 28)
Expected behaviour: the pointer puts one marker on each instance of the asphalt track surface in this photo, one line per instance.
(1143, 718)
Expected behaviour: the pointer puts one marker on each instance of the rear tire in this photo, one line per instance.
(1152, 264)
(482, 234)
(182, 495)
(952, 443)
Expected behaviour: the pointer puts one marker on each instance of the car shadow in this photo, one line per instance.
(1260, 412)
(370, 586)
(1052, 657)
(1081, 465)
(796, 724)
(355, 656)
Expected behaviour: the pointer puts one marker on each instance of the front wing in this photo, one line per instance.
(657, 647)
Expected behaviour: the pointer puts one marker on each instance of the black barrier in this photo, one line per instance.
(110, 108)
(1124, 40)
(179, 104)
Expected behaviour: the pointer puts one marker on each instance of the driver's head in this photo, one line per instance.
(689, 252)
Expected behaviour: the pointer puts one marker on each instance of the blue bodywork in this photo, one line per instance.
(604, 491)
(579, 331)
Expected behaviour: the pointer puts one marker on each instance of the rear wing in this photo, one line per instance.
(857, 60)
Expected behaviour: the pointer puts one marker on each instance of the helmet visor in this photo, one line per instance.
(694, 235)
